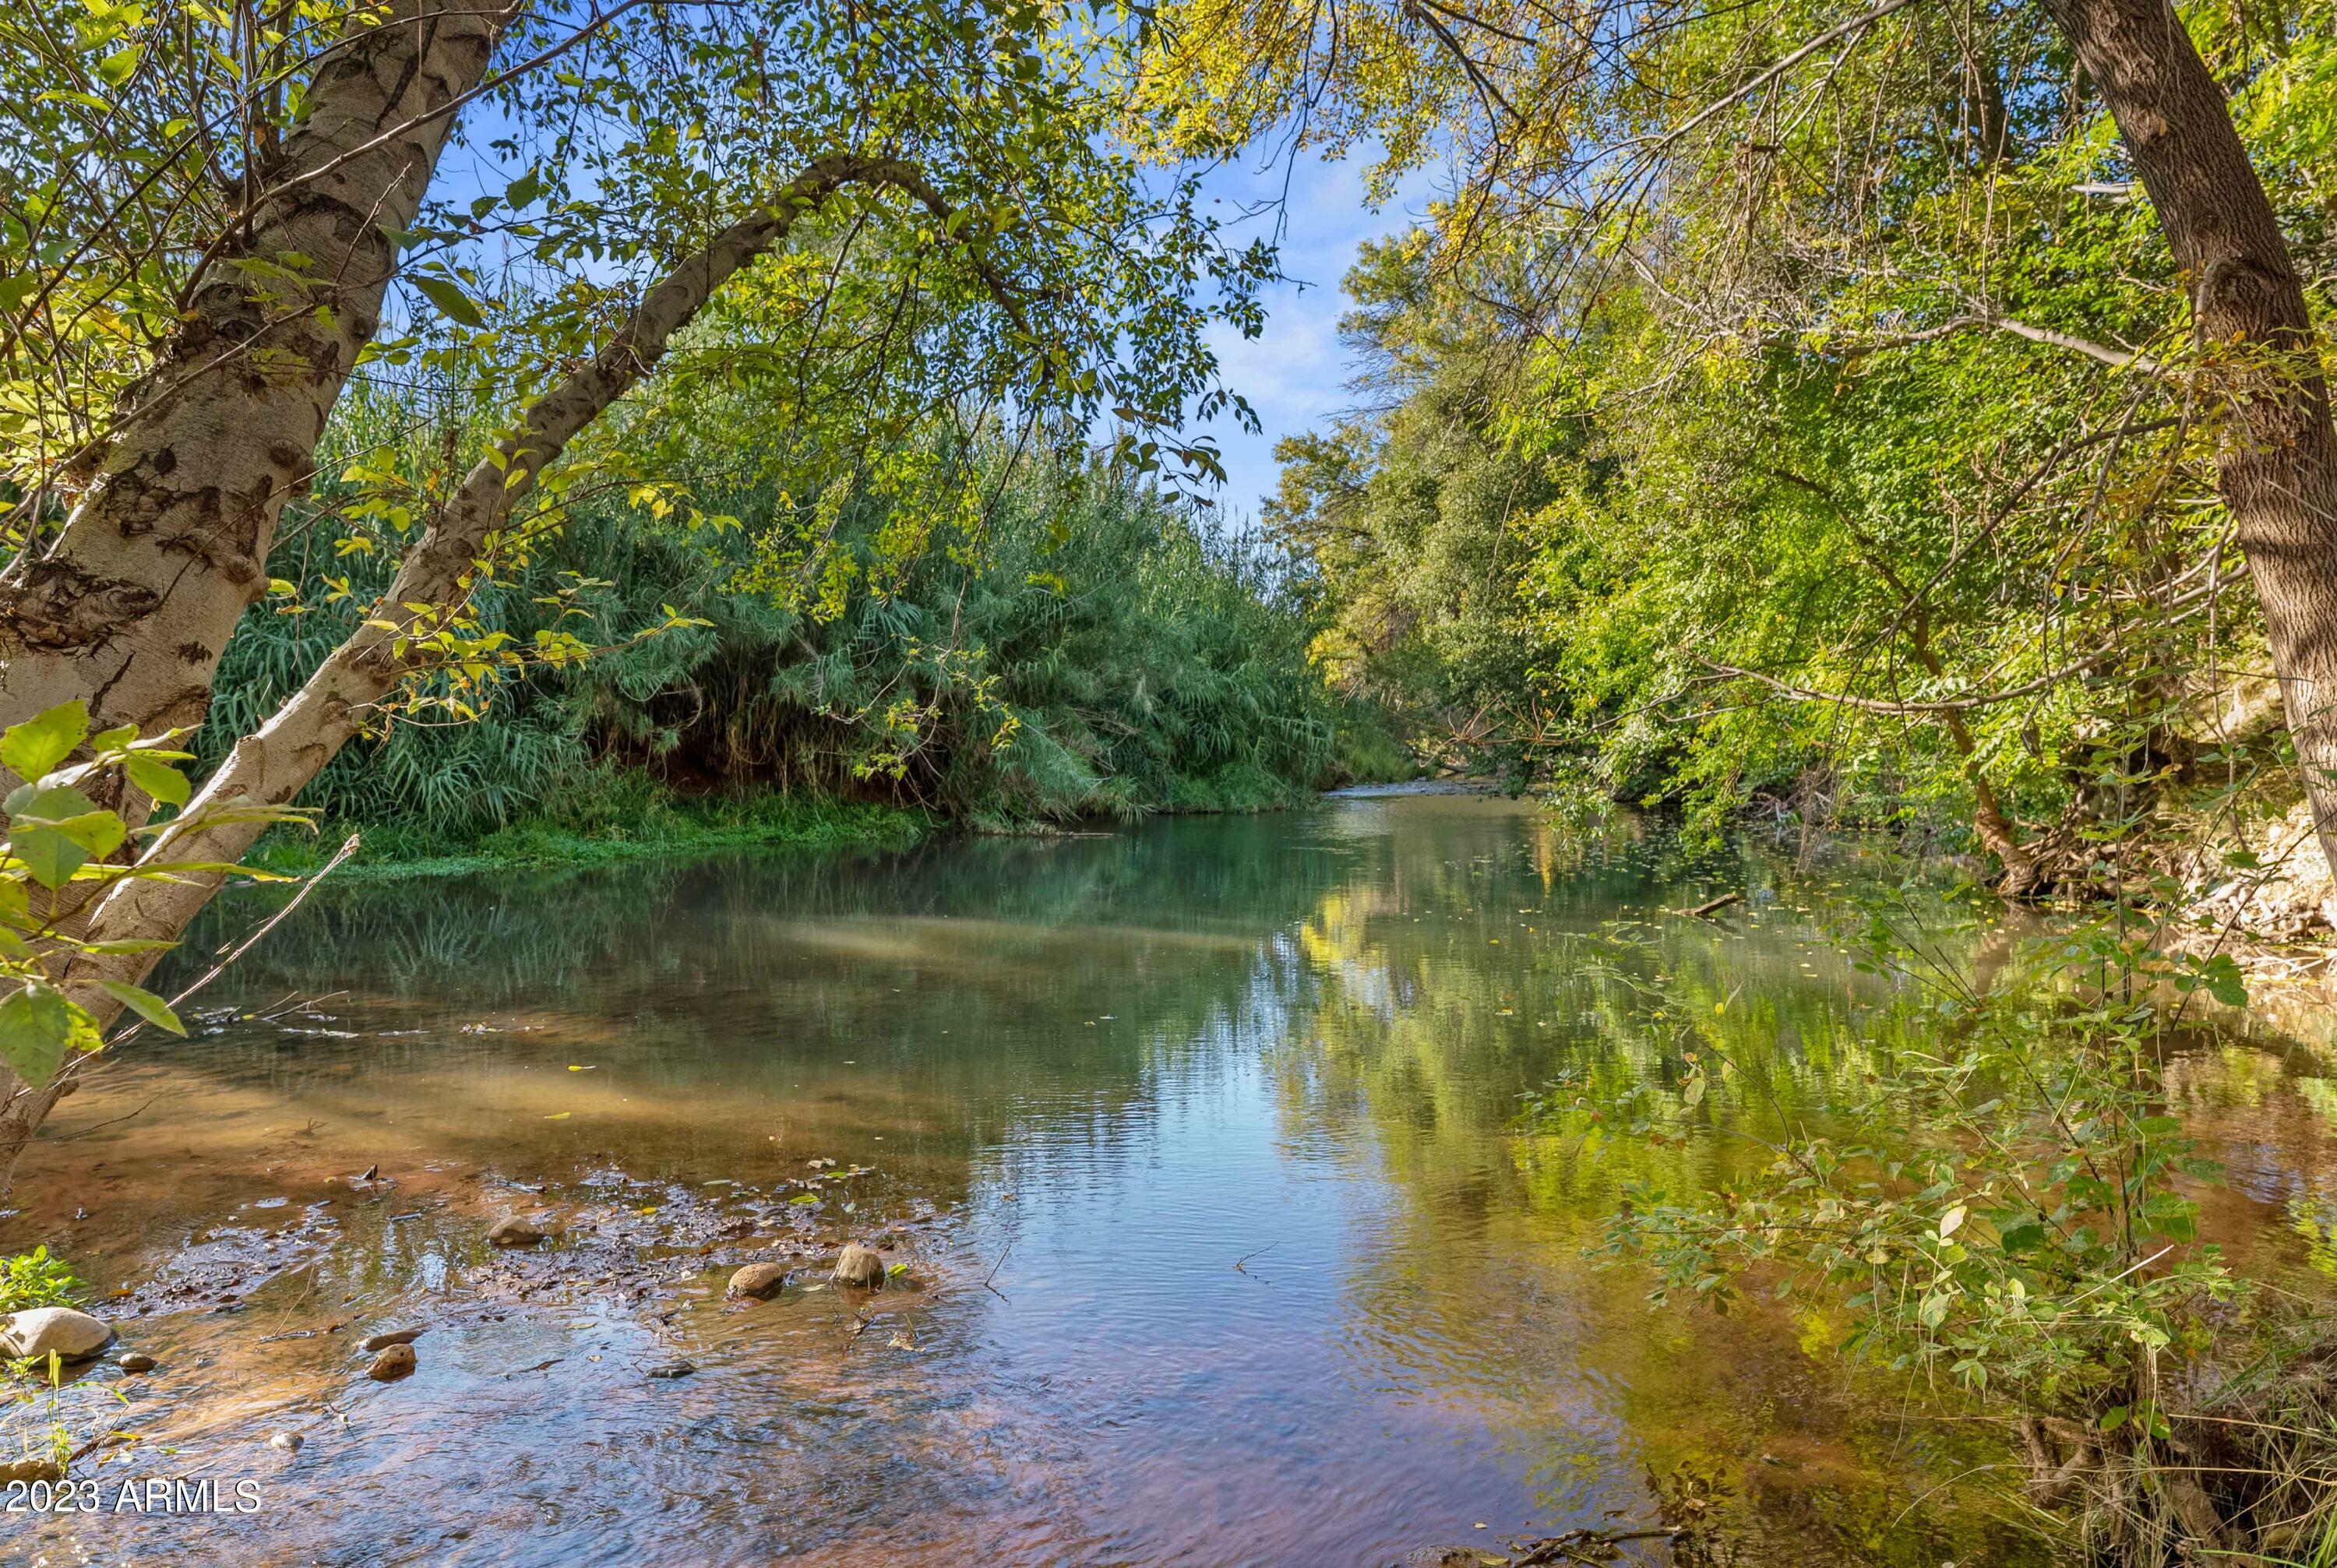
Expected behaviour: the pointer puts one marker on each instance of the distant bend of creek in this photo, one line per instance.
(1197, 1144)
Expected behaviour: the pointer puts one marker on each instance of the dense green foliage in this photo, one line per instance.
(1882, 497)
(1095, 650)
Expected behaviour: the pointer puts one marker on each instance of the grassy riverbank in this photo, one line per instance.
(667, 824)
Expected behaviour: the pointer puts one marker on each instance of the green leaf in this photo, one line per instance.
(50, 857)
(2113, 1418)
(117, 67)
(37, 1024)
(145, 1003)
(37, 745)
(448, 297)
(2022, 1235)
(160, 780)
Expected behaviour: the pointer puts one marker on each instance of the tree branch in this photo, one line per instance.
(273, 764)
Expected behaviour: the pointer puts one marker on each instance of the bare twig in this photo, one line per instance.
(240, 948)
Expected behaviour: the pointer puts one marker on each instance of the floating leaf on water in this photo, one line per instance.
(560, 1115)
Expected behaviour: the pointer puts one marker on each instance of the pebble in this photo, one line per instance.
(857, 1266)
(759, 1280)
(373, 1342)
(396, 1362)
(136, 1361)
(513, 1231)
(289, 1442)
(672, 1369)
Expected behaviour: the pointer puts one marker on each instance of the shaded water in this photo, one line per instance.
(1200, 1143)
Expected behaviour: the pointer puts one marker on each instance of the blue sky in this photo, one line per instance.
(1296, 373)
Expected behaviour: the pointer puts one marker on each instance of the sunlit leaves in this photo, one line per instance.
(34, 747)
(58, 834)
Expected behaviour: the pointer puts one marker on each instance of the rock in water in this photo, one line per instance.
(74, 1336)
(513, 1231)
(859, 1267)
(136, 1361)
(288, 1442)
(391, 1364)
(759, 1280)
(373, 1342)
(673, 1369)
(30, 1470)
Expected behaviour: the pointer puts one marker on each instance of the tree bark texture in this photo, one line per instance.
(2277, 455)
(130, 607)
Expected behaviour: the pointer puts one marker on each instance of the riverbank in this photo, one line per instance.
(672, 825)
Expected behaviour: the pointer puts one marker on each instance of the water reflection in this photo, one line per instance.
(1234, 1254)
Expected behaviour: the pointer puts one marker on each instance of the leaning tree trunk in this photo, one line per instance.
(130, 607)
(272, 765)
(2276, 460)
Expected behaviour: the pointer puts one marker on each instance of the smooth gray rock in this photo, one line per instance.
(74, 1336)
(136, 1361)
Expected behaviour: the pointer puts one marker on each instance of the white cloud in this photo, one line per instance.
(1295, 373)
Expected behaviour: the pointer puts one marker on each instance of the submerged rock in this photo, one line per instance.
(513, 1231)
(396, 1362)
(74, 1336)
(759, 1280)
(136, 1361)
(373, 1342)
(30, 1470)
(673, 1369)
(857, 1266)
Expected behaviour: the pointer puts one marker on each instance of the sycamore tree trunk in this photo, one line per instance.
(2277, 455)
(130, 607)
(273, 764)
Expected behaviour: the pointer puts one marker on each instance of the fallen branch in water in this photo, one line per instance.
(1704, 910)
(1248, 1256)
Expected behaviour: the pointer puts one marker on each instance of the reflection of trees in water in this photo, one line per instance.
(1433, 1012)
(524, 933)
(951, 986)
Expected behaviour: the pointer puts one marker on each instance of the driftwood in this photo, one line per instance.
(1704, 910)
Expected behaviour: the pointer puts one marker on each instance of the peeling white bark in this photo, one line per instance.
(130, 607)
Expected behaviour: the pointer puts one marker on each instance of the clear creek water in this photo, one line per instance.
(1199, 1141)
